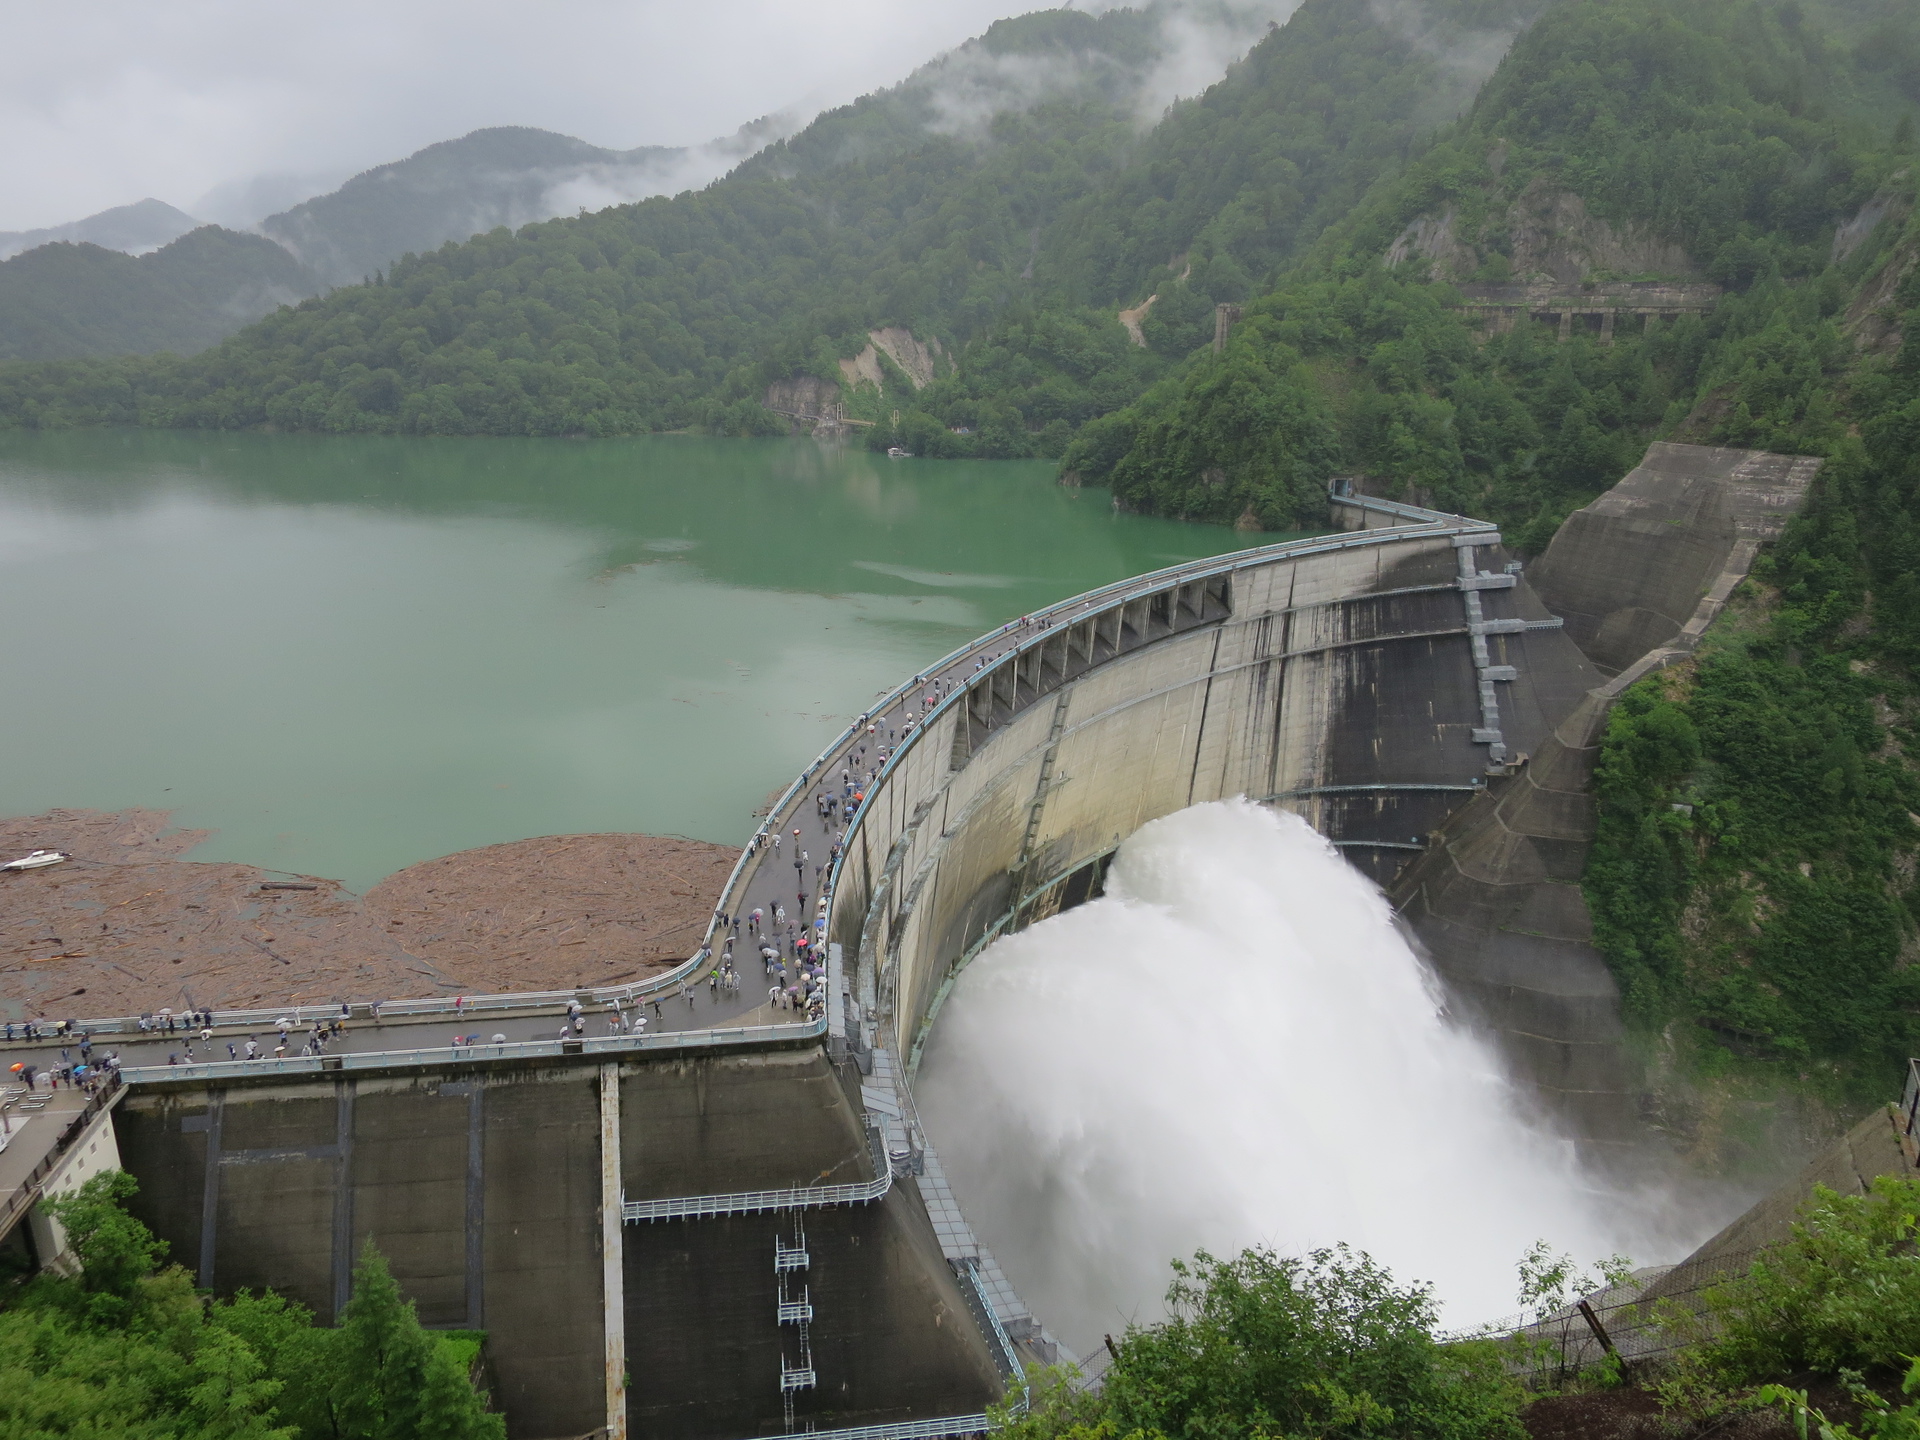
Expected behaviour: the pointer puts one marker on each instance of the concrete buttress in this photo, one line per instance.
(612, 1255)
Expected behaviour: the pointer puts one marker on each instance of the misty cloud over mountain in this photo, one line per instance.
(108, 102)
(133, 229)
(509, 175)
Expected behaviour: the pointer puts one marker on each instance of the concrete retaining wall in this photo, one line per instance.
(483, 1188)
(1630, 570)
(1497, 897)
(482, 1191)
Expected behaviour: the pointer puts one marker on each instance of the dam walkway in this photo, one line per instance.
(794, 861)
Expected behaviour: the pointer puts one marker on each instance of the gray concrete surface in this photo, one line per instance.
(1496, 899)
(1629, 571)
(483, 1193)
(1849, 1166)
(485, 1190)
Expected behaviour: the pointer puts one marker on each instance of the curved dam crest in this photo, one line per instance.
(731, 1225)
(1374, 683)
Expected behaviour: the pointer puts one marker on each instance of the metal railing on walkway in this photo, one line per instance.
(764, 1202)
(601, 1045)
(24, 1193)
(978, 1301)
(951, 1428)
(446, 1007)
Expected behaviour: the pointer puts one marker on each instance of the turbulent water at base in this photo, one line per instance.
(1234, 1047)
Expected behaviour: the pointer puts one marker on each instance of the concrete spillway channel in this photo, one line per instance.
(739, 1229)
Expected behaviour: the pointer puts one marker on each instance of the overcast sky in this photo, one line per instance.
(103, 102)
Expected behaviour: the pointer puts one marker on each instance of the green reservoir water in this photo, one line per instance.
(344, 655)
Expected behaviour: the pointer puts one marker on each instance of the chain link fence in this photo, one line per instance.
(1657, 1311)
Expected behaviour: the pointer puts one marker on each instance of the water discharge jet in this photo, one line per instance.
(1238, 1046)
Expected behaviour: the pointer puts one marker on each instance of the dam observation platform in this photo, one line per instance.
(727, 1221)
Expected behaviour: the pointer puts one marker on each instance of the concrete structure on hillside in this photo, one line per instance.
(1638, 576)
(1650, 563)
(737, 1228)
(1597, 307)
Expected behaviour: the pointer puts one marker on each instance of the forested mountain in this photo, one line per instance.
(508, 175)
(1013, 252)
(72, 303)
(70, 300)
(1753, 883)
(136, 228)
(981, 191)
(1647, 139)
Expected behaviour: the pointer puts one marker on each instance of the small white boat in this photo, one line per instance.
(38, 860)
(894, 452)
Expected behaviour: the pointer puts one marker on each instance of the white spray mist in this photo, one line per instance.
(1234, 1047)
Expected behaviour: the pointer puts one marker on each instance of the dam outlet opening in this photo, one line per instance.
(1238, 1046)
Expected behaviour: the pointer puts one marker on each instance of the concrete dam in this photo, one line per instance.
(732, 1225)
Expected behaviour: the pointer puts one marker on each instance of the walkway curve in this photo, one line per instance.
(893, 725)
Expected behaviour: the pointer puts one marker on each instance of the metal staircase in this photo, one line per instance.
(789, 1260)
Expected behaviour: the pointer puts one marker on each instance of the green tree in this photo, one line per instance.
(386, 1378)
(115, 1252)
(127, 1349)
(1322, 1348)
(121, 1349)
(1841, 1293)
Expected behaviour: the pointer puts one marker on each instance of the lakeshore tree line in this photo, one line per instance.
(1756, 879)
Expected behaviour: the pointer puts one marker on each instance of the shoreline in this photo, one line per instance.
(129, 925)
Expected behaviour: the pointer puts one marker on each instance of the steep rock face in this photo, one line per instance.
(917, 360)
(1850, 236)
(807, 400)
(1546, 234)
(1133, 318)
(864, 369)
(1553, 235)
(1434, 238)
(1870, 319)
(913, 357)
